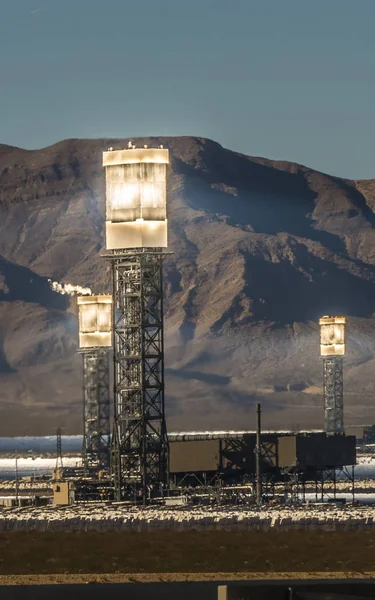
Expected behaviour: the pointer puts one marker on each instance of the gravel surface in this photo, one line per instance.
(195, 552)
(169, 577)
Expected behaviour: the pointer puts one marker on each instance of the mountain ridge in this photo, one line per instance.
(261, 249)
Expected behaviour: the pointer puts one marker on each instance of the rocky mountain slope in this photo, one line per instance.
(261, 250)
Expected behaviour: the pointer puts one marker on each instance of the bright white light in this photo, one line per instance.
(135, 156)
(104, 318)
(125, 196)
(95, 321)
(332, 336)
(136, 194)
(88, 318)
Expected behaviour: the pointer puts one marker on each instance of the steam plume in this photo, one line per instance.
(68, 288)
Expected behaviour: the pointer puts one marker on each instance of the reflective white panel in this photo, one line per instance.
(95, 321)
(104, 317)
(136, 195)
(123, 193)
(140, 234)
(154, 234)
(136, 191)
(123, 235)
(332, 336)
(136, 155)
(95, 340)
(87, 318)
(154, 192)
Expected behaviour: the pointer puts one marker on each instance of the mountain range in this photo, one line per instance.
(261, 249)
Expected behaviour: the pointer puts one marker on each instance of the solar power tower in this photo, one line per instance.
(332, 351)
(136, 243)
(95, 341)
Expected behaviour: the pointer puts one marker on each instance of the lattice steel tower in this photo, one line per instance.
(332, 350)
(136, 240)
(95, 339)
(59, 459)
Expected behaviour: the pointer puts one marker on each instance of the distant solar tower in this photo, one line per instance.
(95, 340)
(332, 350)
(136, 241)
(59, 459)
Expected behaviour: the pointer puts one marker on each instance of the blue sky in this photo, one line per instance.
(285, 79)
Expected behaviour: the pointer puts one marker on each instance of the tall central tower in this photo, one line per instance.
(136, 241)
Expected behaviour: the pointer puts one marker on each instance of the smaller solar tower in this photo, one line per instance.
(332, 351)
(95, 341)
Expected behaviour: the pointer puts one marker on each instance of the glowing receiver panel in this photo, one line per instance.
(332, 336)
(136, 198)
(95, 321)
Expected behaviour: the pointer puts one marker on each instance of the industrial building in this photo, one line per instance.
(225, 463)
(291, 459)
(233, 456)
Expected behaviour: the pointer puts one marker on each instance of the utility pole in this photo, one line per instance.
(17, 485)
(257, 459)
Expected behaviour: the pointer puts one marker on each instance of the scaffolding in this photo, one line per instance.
(320, 483)
(59, 459)
(140, 443)
(333, 394)
(96, 408)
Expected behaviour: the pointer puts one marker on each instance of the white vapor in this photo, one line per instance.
(68, 288)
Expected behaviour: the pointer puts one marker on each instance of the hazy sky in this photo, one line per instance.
(285, 79)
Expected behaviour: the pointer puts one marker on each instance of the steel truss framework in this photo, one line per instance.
(96, 437)
(333, 394)
(288, 485)
(235, 480)
(59, 459)
(320, 482)
(209, 488)
(140, 443)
